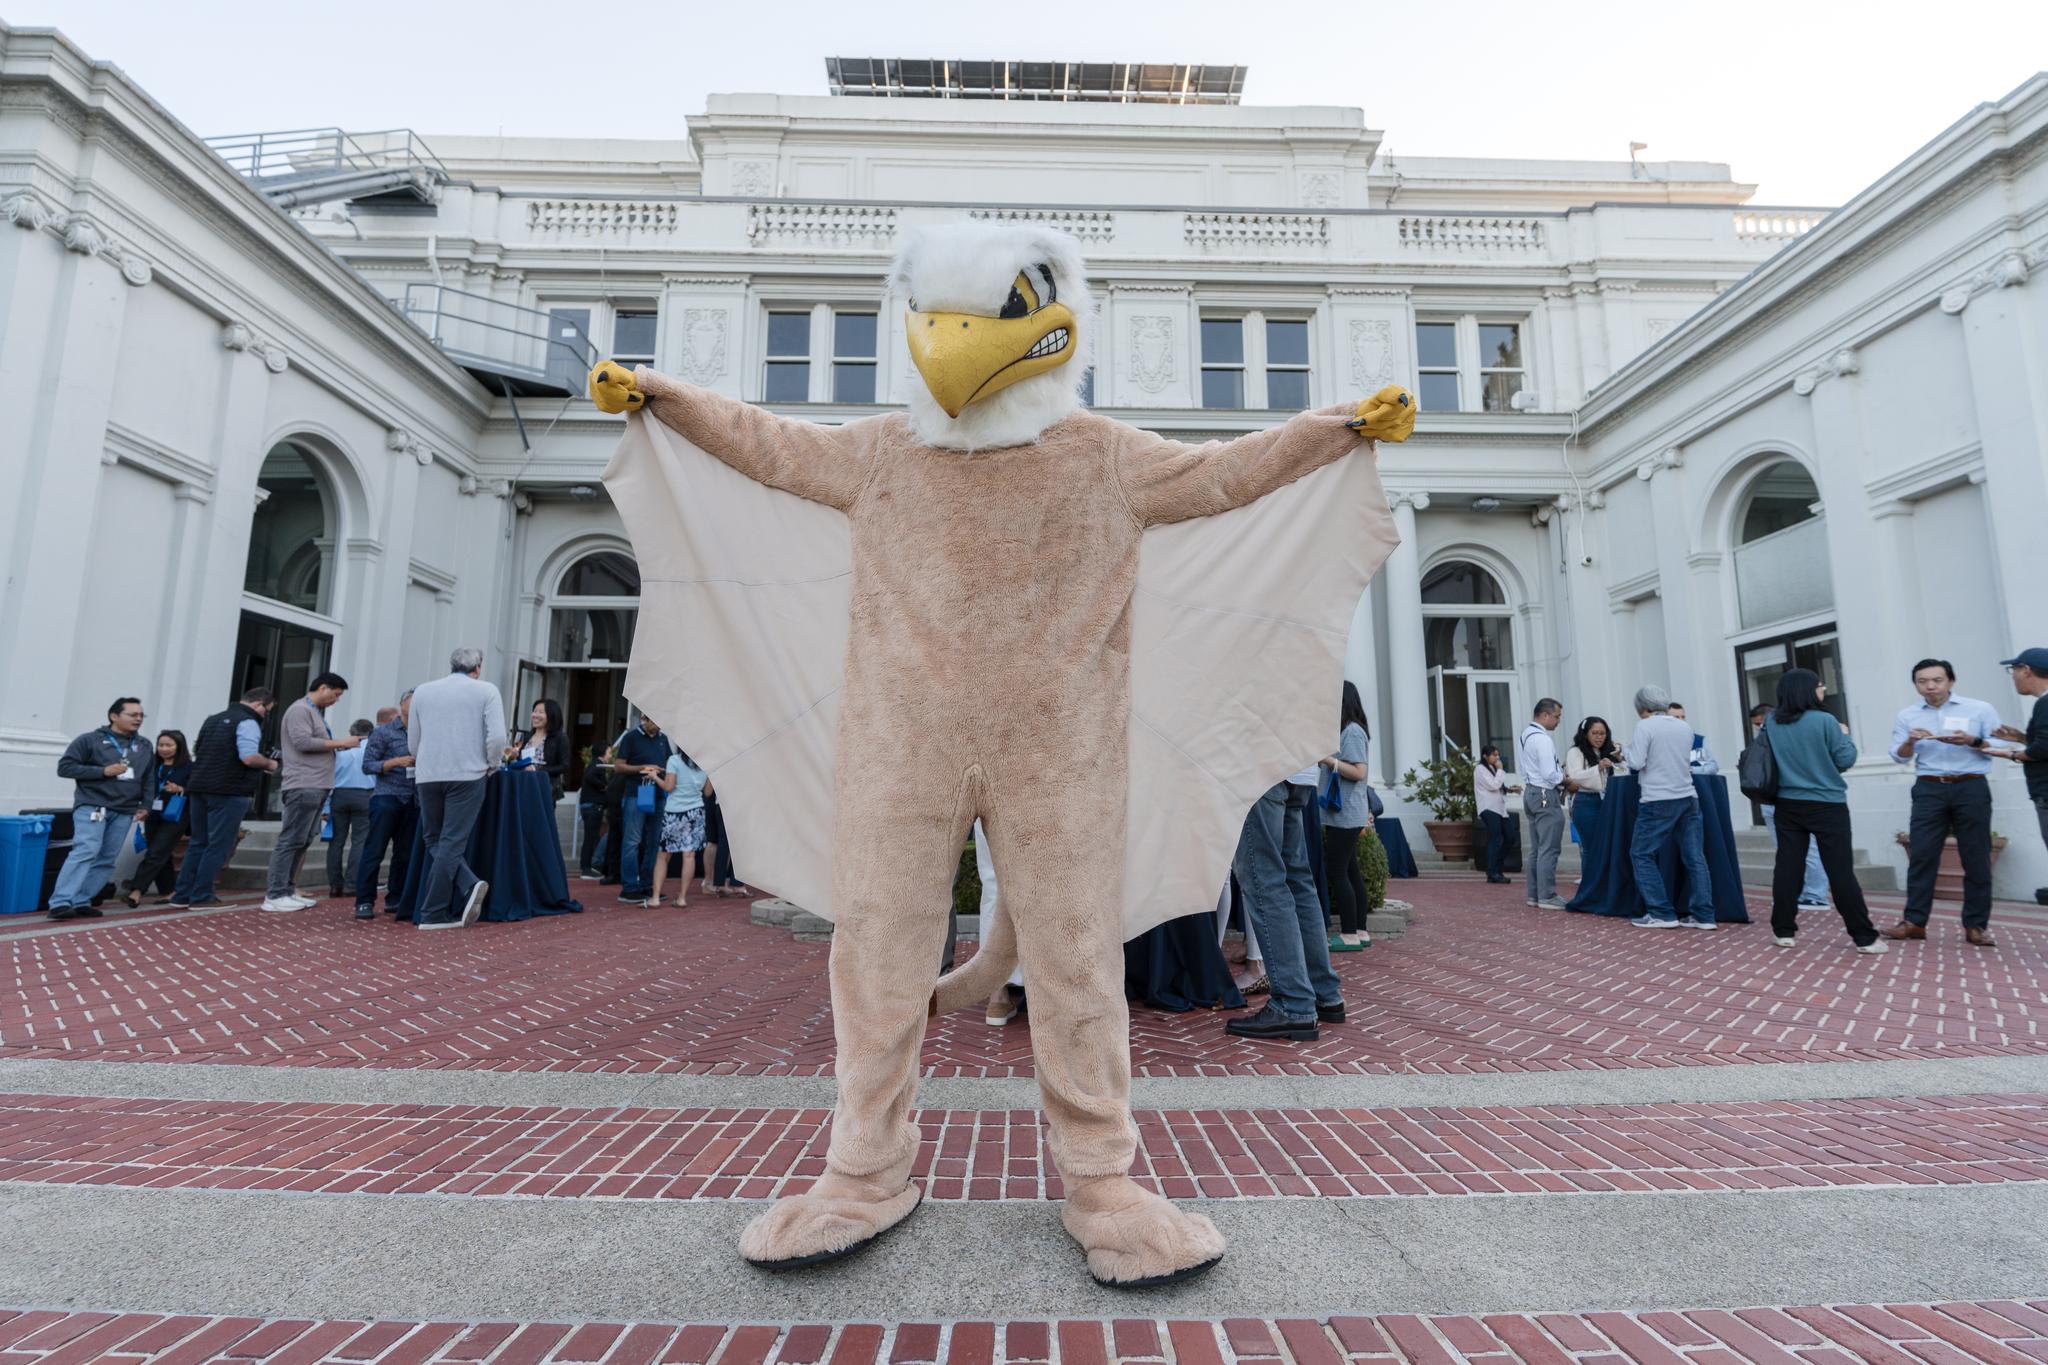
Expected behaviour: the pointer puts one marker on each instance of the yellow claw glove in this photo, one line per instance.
(1388, 415)
(613, 388)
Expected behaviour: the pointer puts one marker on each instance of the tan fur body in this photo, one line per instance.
(988, 674)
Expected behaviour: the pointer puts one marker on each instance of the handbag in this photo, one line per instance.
(1333, 792)
(1373, 804)
(141, 840)
(644, 799)
(174, 808)
(1757, 770)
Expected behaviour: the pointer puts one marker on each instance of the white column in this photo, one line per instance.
(2007, 353)
(1361, 667)
(1408, 670)
(61, 317)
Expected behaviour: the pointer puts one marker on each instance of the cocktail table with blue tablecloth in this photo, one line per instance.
(1394, 839)
(515, 847)
(1607, 881)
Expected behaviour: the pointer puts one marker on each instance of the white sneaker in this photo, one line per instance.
(285, 905)
(475, 907)
(1701, 924)
(304, 902)
(1783, 942)
(1652, 922)
(1876, 946)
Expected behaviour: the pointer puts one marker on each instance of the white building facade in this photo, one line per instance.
(1667, 435)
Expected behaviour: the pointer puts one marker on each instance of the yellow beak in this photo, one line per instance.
(968, 356)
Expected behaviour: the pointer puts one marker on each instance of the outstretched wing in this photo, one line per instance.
(740, 651)
(1238, 631)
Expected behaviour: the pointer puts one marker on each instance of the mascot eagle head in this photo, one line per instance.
(1000, 326)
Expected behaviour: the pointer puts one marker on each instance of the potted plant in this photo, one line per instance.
(1948, 876)
(1445, 786)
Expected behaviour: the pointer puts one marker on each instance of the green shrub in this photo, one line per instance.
(967, 883)
(1372, 865)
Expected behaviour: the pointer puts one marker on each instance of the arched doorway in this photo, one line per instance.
(1784, 592)
(593, 609)
(286, 635)
(1468, 632)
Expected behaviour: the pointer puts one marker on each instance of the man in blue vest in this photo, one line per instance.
(228, 764)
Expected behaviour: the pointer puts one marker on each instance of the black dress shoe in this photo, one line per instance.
(1496, 881)
(86, 912)
(2041, 895)
(62, 912)
(1271, 1023)
(366, 912)
(1330, 1014)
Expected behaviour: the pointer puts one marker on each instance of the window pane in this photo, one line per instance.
(789, 381)
(1287, 390)
(853, 383)
(789, 334)
(1436, 343)
(1222, 341)
(1286, 344)
(853, 334)
(601, 636)
(1785, 496)
(1500, 345)
(1497, 390)
(1439, 392)
(1462, 583)
(1496, 718)
(1223, 388)
(633, 334)
(286, 561)
(604, 574)
(1468, 642)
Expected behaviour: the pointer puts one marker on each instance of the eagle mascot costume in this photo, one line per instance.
(1104, 644)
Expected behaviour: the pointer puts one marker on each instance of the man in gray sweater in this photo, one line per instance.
(1661, 752)
(308, 748)
(456, 731)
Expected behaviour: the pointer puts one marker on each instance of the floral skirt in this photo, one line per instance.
(684, 832)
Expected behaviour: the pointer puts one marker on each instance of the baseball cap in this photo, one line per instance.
(2036, 659)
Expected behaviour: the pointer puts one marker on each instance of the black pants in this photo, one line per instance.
(155, 867)
(593, 830)
(1827, 824)
(1496, 841)
(1941, 809)
(1347, 884)
(615, 797)
(391, 825)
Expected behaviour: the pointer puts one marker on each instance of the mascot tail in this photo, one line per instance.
(988, 969)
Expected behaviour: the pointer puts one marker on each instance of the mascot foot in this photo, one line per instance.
(839, 1216)
(1135, 1239)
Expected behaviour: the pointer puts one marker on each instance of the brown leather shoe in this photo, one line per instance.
(1980, 938)
(1906, 929)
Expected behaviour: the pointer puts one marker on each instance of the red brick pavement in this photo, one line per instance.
(2007, 1332)
(1484, 986)
(635, 1153)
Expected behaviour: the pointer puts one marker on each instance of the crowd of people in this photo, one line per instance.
(419, 771)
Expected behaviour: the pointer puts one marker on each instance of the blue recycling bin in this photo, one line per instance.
(24, 842)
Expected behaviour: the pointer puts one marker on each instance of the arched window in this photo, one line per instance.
(291, 538)
(1783, 497)
(595, 608)
(1781, 549)
(1468, 632)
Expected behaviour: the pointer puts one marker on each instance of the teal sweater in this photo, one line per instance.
(1811, 754)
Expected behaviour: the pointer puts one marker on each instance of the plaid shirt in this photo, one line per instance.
(388, 741)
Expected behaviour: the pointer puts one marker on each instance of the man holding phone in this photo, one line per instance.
(1947, 739)
(110, 766)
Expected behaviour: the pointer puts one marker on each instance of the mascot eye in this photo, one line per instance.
(1023, 299)
(1014, 306)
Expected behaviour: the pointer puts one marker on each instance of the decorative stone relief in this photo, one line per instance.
(1090, 225)
(1321, 190)
(1206, 230)
(704, 331)
(1151, 351)
(400, 442)
(83, 237)
(751, 178)
(79, 234)
(847, 225)
(275, 359)
(1659, 328)
(24, 210)
(234, 336)
(1372, 354)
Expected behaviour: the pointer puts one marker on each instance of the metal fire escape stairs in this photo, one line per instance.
(512, 350)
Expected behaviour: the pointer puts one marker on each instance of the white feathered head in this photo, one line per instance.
(1000, 326)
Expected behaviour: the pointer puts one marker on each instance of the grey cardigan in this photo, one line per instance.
(456, 730)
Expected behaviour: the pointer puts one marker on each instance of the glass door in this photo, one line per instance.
(1760, 665)
(284, 658)
(1470, 709)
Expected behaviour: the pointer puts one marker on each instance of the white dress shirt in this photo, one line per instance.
(1540, 770)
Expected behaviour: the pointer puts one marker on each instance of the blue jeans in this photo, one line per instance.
(392, 822)
(95, 844)
(1814, 886)
(1280, 896)
(1585, 814)
(215, 822)
(637, 848)
(1657, 824)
